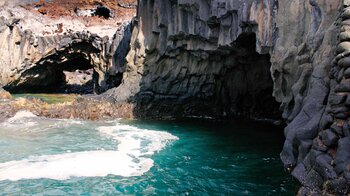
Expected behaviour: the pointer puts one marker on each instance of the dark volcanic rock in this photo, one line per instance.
(217, 58)
(342, 158)
(329, 138)
(337, 129)
(346, 129)
(335, 99)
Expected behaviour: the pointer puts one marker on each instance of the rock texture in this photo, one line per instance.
(212, 58)
(201, 58)
(4, 94)
(84, 108)
(35, 50)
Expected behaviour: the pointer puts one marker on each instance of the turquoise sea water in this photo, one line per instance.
(67, 157)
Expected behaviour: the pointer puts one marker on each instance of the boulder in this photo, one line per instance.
(342, 157)
(344, 36)
(329, 138)
(4, 94)
(344, 62)
(347, 73)
(343, 46)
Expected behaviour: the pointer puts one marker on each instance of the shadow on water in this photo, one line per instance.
(237, 157)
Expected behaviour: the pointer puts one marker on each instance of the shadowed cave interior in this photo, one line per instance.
(233, 81)
(75, 75)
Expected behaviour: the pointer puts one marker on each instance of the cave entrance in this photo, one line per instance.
(104, 12)
(245, 85)
(75, 75)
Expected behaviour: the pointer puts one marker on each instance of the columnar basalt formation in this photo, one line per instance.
(305, 84)
(201, 58)
(198, 58)
(214, 58)
(325, 168)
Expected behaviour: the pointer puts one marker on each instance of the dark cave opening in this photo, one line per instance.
(228, 83)
(104, 12)
(245, 86)
(73, 76)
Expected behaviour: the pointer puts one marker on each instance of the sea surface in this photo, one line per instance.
(40, 156)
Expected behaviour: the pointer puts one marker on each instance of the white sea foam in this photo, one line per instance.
(132, 157)
(29, 122)
(80, 164)
(22, 114)
(140, 142)
(23, 119)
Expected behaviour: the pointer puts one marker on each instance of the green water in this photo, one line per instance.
(49, 98)
(166, 158)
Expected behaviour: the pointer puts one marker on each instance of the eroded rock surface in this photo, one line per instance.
(210, 58)
(84, 108)
(216, 58)
(201, 58)
(36, 49)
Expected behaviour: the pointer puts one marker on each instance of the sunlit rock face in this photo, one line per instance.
(36, 50)
(211, 58)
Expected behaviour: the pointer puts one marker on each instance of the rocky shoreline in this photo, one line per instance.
(219, 59)
(81, 107)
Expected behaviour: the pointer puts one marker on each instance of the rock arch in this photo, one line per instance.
(39, 64)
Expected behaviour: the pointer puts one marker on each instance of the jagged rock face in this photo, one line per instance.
(198, 57)
(217, 58)
(201, 57)
(306, 76)
(34, 56)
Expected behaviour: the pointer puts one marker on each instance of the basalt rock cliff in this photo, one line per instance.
(211, 58)
(227, 58)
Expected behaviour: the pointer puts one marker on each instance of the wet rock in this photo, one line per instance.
(319, 145)
(310, 159)
(347, 73)
(337, 186)
(323, 166)
(314, 180)
(336, 99)
(342, 158)
(338, 109)
(337, 129)
(342, 88)
(347, 176)
(346, 130)
(342, 115)
(344, 62)
(327, 120)
(340, 75)
(304, 149)
(329, 138)
(300, 172)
